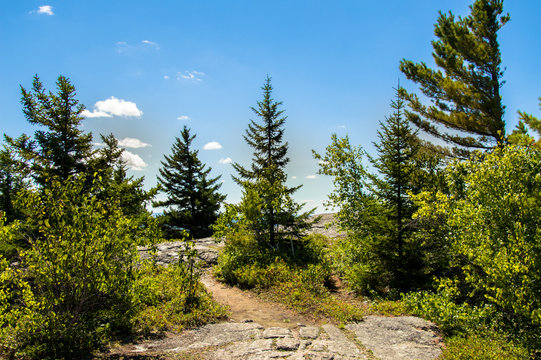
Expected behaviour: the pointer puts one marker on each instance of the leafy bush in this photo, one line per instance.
(445, 309)
(492, 221)
(362, 272)
(10, 242)
(304, 291)
(240, 249)
(172, 299)
(472, 332)
(74, 288)
(476, 347)
(387, 307)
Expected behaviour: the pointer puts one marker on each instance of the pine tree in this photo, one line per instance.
(193, 200)
(466, 110)
(279, 216)
(62, 149)
(400, 172)
(265, 138)
(384, 249)
(397, 150)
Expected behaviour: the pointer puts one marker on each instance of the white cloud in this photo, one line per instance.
(195, 76)
(166, 77)
(113, 107)
(311, 177)
(46, 10)
(213, 145)
(133, 161)
(183, 117)
(227, 160)
(151, 44)
(95, 114)
(132, 143)
(294, 177)
(342, 126)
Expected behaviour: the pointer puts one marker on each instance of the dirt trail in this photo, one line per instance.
(260, 329)
(244, 305)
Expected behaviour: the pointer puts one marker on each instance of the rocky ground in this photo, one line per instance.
(261, 330)
(374, 338)
(208, 248)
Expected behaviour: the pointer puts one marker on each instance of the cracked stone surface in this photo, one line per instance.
(220, 334)
(287, 344)
(276, 332)
(387, 338)
(309, 332)
(404, 337)
(284, 343)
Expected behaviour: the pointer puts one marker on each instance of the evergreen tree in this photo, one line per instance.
(193, 200)
(384, 251)
(466, 110)
(62, 149)
(397, 149)
(278, 215)
(265, 138)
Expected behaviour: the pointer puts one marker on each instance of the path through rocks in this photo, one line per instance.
(374, 338)
(244, 305)
(260, 330)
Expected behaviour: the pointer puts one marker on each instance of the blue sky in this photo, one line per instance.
(144, 69)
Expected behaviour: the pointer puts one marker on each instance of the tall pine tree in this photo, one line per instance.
(382, 252)
(266, 138)
(397, 150)
(466, 110)
(278, 217)
(59, 149)
(193, 200)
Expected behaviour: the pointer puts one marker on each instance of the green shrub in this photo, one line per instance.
(9, 245)
(475, 347)
(492, 223)
(242, 259)
(389, 308)
(491, 219)
(472, 332)
(311, 297)
(240, 249)
(452, 317)
(354, 260)
(171, 299)
(74, 288)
